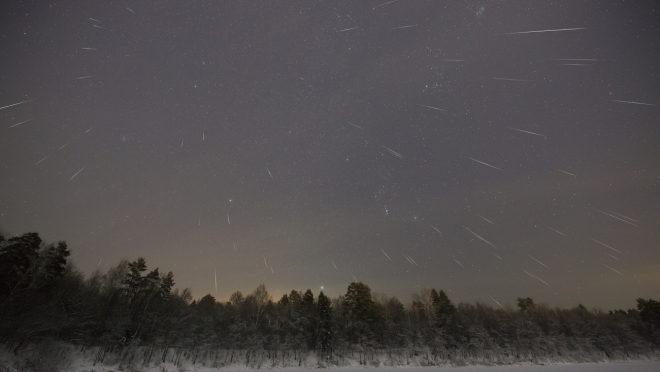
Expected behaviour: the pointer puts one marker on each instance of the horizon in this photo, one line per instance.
(376, 295)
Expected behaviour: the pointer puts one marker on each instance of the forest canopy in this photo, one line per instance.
(44, 297)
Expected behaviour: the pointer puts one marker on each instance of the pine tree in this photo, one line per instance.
(359, 309)
(324, 323)
(442, 304)
(18, 262)
(649, 311)
(166, 284)
(134, 280)
(526, 304)
(358, 302)
(295, 298)
(55, 257)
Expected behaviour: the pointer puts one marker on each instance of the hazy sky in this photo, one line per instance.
(306, 144)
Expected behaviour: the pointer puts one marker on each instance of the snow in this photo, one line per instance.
(62, 357)
(586, 367)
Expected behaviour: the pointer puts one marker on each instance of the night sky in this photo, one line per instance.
(309, 144)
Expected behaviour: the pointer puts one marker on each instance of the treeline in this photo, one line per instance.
(44, 298)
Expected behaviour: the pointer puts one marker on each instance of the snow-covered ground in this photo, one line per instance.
(585, 367)
(635, 366)
(60, 357)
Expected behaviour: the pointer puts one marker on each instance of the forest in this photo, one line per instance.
(131, 315)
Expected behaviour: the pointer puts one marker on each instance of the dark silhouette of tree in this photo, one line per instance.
(134, 278)
(526, 304)
(44, 298)
(324, 310)
(358, 303)
(649, 311)
(359, 311)
(18, 263)
(55, 258)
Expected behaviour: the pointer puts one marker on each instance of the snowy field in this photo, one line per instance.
(585, 367)
(61, 357)
(588, 367)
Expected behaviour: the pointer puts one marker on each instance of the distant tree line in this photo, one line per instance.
(44, 298)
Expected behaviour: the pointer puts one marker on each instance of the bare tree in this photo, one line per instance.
(260, 298)
(426, 298)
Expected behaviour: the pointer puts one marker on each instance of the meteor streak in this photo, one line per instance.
(620, 219)
(537, 261)
(620, 215)
(484, 218)
(42, 160)
(505, 79)
(77, 173)
(434, 228)
(15, 125)
(612, 256)
(389, 2)
(388, 257)
(409, 259)
(537, 278)
(571, 174)
(431, 107)
(524, 131)
(496, 301)
(635, 103)
(618, 272)
(400, 27)
(355, 125)
(15, 104)
(478, 161)
(392, 151)
(539, 31)
(557, 231)
(603, 244)
(479, 237)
